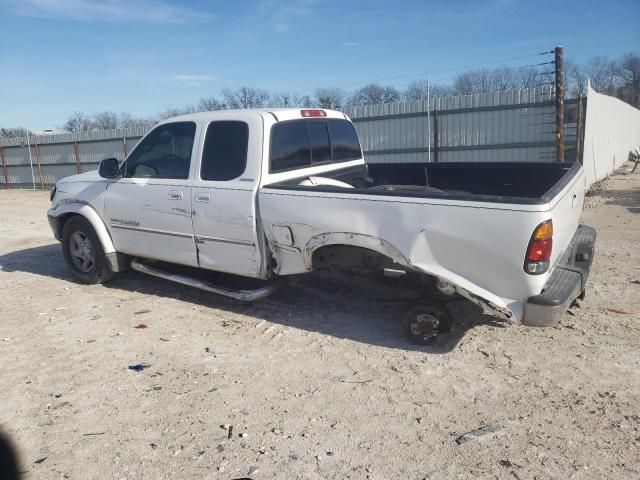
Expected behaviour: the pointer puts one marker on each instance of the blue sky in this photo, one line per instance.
(141, 56)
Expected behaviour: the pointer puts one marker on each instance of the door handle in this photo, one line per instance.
(203, 197)
(175, 195)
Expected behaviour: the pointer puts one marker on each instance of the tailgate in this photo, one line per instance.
(566, 208)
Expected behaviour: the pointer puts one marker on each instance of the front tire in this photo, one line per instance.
(83, 252)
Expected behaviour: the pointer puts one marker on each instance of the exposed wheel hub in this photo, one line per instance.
(425, 325)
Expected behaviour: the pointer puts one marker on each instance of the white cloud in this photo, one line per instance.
(193, 80)
(119, 11)
(350, 44)
(282, 14)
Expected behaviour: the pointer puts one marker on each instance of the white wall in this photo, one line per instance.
(612, 129)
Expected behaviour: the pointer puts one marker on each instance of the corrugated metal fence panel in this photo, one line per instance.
(519, 124)
(76, 137)
(94, 152)
(535, 154)
(17, 156)
(58, 160)
(62, 153)
(21, 174)
(52, 173)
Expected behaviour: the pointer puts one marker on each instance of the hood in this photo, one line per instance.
(92, 176)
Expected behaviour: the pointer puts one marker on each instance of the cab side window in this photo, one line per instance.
(224, 156)
(164, 153)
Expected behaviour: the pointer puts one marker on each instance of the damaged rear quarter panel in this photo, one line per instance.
(477, 246)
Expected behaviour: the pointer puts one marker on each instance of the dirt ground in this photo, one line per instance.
(315, 386)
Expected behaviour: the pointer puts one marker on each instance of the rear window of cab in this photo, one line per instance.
(303, 143)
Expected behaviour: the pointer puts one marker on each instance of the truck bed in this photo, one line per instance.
(520, 183)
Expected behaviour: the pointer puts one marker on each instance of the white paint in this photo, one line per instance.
(611, 131)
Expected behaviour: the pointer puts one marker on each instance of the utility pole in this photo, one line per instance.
(559, 88)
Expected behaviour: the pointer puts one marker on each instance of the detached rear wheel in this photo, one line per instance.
(423, 321)
(83, 252)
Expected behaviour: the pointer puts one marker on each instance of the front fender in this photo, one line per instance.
(89, 213)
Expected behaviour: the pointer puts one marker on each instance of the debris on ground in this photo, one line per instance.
(480, 432)
(139, 367)
(622, 312)
(141, 325)
(140, 312)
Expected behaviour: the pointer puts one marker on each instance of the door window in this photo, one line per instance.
(224, 156)
(164, 153)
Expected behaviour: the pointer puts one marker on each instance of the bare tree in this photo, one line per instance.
(77, 122)
(604, 74)
(575, 79)
(284, 100)
(415, 91)
(210, 104)
(245, 97)
(630, 73)
(527, 77)
(105, 121)
(330, 97)
(307, 102)
(418, 91)
(175, 111)
(13, 132)
(373, 94)
(126, 120)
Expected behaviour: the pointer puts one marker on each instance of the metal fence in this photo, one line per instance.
(512, 126)
(515, 126)
(43, 160)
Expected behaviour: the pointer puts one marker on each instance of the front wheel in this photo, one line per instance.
(83, 252)
(423, 321)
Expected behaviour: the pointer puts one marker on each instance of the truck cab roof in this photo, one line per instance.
(280, 114)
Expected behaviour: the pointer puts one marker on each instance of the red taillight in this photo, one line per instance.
(539, 251)
(313, 113)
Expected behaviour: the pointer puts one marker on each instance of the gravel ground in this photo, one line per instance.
(314, 386)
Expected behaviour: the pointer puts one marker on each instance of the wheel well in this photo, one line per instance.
(350, 259)
(349, 256)
(62, 220)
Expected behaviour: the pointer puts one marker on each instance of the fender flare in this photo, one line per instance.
(354, 240)
(89, 213)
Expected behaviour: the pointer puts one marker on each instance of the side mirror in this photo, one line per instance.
(109, 168)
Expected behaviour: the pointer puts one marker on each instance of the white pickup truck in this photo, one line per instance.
(272, 193)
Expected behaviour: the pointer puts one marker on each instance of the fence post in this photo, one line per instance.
(76, 150)
(124, 147)
(579, 129)
(436, 144)
(4, 168)
(39, 166)
(559, 86)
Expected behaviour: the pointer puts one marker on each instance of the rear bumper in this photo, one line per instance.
(566, 283)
